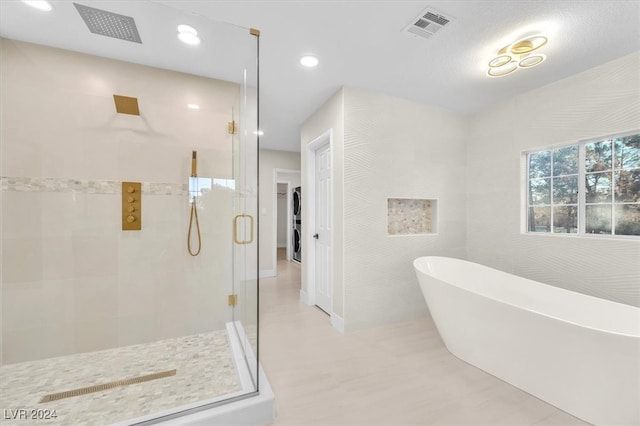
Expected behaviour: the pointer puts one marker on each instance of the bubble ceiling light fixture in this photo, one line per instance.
(517, 55)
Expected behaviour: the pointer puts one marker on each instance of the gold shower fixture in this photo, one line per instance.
(520, 54)
(126, 105)
(193, 217)
(232, 127)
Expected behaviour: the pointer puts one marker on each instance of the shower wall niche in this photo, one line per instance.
(411, 216)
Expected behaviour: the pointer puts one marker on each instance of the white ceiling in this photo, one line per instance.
(360, 44)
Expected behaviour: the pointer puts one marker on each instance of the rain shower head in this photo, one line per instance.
(109, 24)
(126, 105)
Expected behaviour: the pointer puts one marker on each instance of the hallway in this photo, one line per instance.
(398, 374)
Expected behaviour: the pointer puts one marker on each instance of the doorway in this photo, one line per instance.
(283, 221)
(317, 237)
(284, 182)
(322, 234)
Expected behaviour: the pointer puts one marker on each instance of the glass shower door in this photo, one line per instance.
(245, 214)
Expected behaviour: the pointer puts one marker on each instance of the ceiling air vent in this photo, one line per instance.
(427, 23)
(109, 24)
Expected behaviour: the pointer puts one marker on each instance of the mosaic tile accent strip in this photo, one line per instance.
(165, 188)
(204, 369)
(32, 184)
(409, 216)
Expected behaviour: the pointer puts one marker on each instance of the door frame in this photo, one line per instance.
(276, 181)
(309, 221)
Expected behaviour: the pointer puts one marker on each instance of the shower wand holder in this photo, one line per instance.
(131, 206)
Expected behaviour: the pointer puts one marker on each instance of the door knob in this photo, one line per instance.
(315, 236)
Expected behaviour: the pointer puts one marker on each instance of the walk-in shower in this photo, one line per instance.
(107, 317)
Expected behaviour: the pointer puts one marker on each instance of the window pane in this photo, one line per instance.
(565, 219)
(565, 160)
(628, 152)
(628, 219)
(539, 191)
(598, 186)
(598, 220)
(628, 186)
(539, 219)
(598, 156)
(565, 190)
(540, 164)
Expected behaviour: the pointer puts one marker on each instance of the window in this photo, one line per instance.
(586, 188)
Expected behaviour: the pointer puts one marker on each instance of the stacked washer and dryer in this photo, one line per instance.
(297, 224)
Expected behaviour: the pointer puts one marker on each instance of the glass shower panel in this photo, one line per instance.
(245, 251)
(129, 214)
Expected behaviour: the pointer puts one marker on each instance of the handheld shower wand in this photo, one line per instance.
(194, 209)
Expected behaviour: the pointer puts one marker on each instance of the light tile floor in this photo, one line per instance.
(203, 362)
(398, 374)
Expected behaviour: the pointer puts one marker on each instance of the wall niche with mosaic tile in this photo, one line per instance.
(411, 216)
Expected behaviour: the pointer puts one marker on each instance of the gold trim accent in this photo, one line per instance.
(131, 206)
(500, 61)
(496, 72)
(106, 386)
(233, 300)
(254, 32)
(531, 61)
(126, 105)
(235, 229)
(528, 45)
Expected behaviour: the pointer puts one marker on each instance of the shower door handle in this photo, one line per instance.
(235, 229)
(316, 236)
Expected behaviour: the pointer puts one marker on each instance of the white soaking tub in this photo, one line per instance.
(576, 352)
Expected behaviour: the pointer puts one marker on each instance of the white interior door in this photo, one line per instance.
(322, 233)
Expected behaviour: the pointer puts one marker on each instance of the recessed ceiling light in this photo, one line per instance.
(309, 61)
(258, 132)
(188, 35)
(193, 106)
(40, 4)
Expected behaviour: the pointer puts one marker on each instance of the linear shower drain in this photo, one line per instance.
(105, 386)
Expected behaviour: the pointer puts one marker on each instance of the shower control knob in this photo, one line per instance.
(131, 199)
(131, 218)
(131, 190)
(131, 209)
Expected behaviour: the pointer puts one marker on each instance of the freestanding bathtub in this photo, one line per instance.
(576, 352)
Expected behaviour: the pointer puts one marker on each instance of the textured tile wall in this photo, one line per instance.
(598, 102)
(412, 151)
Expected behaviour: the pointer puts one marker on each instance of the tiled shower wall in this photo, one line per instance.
(72, 280)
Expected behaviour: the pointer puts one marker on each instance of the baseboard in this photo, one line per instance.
(267, 273)
(337, 322)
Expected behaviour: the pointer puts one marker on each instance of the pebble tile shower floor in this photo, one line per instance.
(203, 364)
